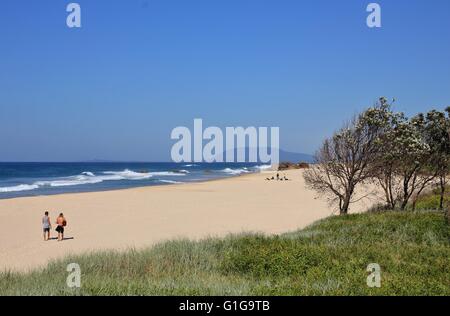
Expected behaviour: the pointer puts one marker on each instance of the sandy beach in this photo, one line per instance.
(140, 217)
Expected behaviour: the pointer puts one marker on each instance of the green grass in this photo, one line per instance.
(430, 200)
(328, 258)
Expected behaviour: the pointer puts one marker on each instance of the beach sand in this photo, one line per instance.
(140, 217)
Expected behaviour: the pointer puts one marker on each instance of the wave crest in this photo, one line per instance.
(18, 188)
(88, 177)
(235, 171)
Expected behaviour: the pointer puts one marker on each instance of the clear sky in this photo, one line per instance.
(115, 88)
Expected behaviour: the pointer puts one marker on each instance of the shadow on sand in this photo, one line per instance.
(65, 238)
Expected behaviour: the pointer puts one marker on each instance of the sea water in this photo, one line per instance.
(31, 179)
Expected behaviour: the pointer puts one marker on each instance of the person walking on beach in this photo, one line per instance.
(61, 223)
(46, 226)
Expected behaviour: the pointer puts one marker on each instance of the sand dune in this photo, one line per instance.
(143, 216)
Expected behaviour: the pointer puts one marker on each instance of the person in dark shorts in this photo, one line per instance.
(46, 226)
(61, 223)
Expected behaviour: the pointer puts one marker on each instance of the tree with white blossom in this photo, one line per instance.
(346, 159)
(403, 156)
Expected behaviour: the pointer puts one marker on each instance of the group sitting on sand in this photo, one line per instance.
(61, 222)
(284, 178)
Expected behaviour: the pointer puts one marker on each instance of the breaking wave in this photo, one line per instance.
(237, 171)
(263, 167)
(18, 188)
(90, 178)
(170, 181)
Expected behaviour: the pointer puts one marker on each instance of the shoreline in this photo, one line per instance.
(131, 188)
(81, 178)
(143, 216)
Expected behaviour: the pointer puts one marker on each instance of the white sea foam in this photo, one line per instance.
(88, 177)
(167, 174)
(18, 188)
(235, 171)
(263, 167)
(69, 181)
(128, 175)
(169, 181)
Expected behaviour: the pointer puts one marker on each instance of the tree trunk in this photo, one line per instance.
(385, 180)
(441, 200)
(405, 198)
(405, 193)
(345, 206)
(403, 205)
(417, 196)
(346, 202)
(391, 196)
(386, 192)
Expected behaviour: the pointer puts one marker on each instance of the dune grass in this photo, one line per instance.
(430, 200)
(328, 258)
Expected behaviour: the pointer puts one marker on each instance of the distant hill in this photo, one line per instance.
(295, 157)
(286, 156)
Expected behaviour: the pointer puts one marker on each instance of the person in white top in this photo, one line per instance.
(46, 226)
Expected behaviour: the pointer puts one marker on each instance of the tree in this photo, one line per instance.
(386, 160)
(346, 159)
(404, 163)
(436, 127)
(403, 156)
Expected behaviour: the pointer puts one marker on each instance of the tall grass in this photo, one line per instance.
(328, 258)
(431, 199)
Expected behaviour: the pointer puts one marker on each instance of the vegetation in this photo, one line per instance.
(328, 258)
(405, 157)
(436, 127)
(432, 200)
(289, 165)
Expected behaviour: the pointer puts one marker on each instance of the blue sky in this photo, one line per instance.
(115, 88)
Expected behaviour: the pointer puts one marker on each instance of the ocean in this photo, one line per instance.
(45, 178)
